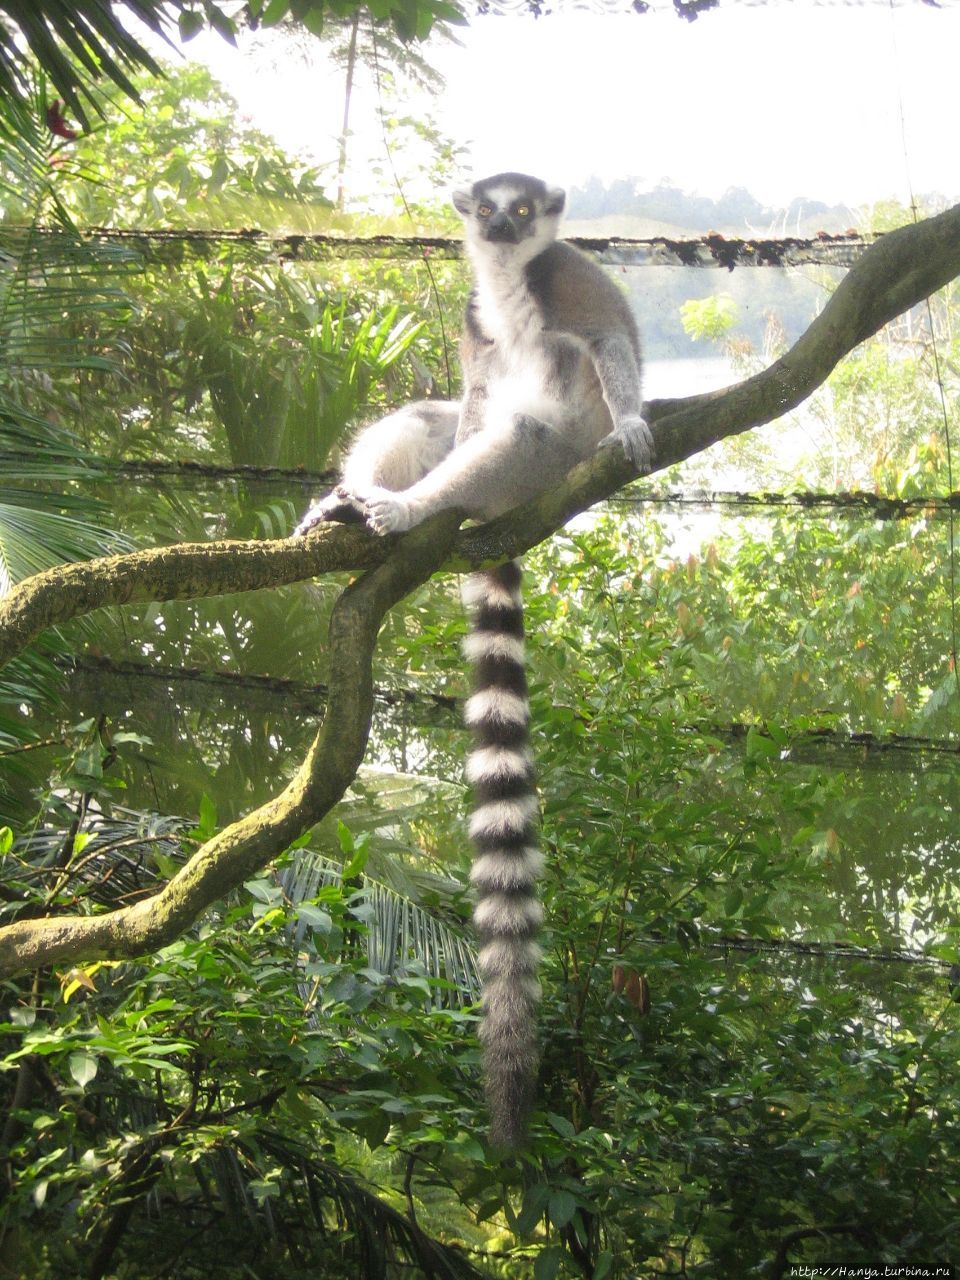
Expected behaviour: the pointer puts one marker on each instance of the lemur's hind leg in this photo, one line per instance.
(393, 453)
(486, 474)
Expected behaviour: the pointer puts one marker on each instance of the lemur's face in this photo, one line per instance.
(510, 209)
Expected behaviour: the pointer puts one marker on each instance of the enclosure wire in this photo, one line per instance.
(424, 256)
(876, 506)
(951, 529)
(710, 250)
(282, 688)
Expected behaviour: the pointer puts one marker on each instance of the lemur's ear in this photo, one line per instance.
(463, 202)
(556, 199)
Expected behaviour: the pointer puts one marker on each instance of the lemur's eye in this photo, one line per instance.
(484, 210)
(523, 211)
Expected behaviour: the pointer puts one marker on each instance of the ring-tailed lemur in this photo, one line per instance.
(551, 370)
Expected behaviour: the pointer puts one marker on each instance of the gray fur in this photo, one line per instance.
(551, 364)
(551, 370)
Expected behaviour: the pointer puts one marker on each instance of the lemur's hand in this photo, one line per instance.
(386, 512)
(634, 437)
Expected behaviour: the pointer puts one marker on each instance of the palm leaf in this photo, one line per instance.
(383, 1237)
(118, 861)
(79, 45)
(48, 280)
(32, 540)
(400, 931)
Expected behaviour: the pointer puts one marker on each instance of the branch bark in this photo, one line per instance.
(901, 270)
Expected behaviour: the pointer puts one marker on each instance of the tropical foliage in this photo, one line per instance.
(85, 45)
(746, 736)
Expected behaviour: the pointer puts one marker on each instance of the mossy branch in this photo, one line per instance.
(901, 270)
(241, 849)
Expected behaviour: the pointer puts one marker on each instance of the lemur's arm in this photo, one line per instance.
(475, 351)
(578, 299)
(471, 411)
(619, 373)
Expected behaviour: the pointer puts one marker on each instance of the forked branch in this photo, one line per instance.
(241, 849)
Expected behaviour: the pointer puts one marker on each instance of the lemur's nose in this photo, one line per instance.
(500, 227)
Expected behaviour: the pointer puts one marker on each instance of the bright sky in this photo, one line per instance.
(843, 104)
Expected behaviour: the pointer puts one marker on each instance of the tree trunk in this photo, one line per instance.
(347, 95)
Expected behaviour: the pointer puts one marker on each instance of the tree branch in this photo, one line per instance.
(239, 850)
(901, 270)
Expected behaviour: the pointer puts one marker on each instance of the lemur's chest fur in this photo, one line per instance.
(506, 311)
(524, 366)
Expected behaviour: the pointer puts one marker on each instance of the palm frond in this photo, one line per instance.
(383, 1237)
(118, 862)
(401, 933)
(80, 46)
(32, 540)
(320, 1209)
(48, 281)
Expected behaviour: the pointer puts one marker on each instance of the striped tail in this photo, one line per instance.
(507, 859)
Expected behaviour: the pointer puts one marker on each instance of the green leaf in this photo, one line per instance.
(223, 25)
(357, 860)
(83, 1068)
(206, 819)
(535, 1202)
(275, 11)
(190, 23)
(219, 173)
(265, 891)
(89, 762)
(313, 21)
(547, 1263)
(315, 917)
(373, 1128)
(561, 1207)
(604, 1265)
(733, 901)
(138, 739)
(562, 1125)
(760, 747)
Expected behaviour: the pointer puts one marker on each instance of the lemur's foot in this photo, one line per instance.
(386, 512)
(634, 437)
(339, 507)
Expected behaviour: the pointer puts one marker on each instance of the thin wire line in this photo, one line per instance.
(281, 687)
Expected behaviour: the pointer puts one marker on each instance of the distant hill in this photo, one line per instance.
(630, 207)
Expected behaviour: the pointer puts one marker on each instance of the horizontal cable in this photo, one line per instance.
(712, 250)
(869, 743)
(688, 10)
(313, 697)
(153, 468)
(878, 506)
(306, 696)
(798, 948)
